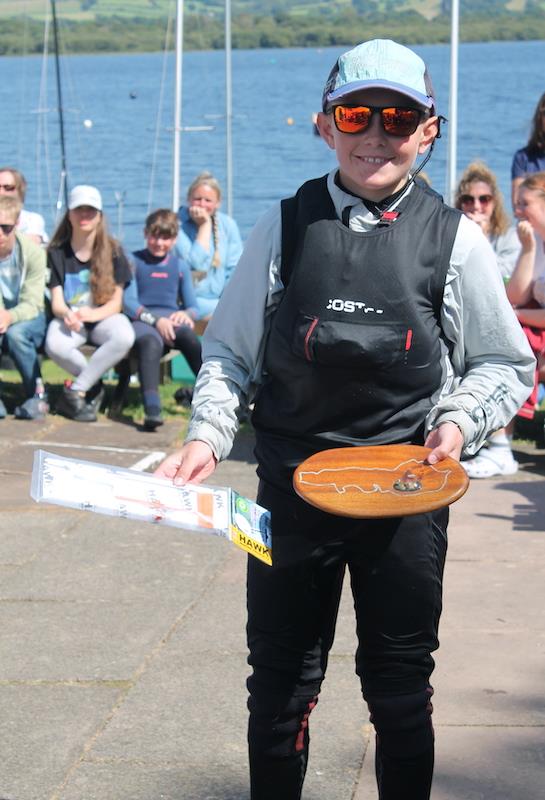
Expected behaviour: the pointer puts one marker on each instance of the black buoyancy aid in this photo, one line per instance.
(354, 354)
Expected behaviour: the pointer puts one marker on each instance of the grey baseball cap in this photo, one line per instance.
(379, 64)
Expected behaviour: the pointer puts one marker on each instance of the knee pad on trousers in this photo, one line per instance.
(403, 722)
(280, 732)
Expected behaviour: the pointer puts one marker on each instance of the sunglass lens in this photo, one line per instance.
(400, 121)
(352, 119)
(469, 200)
(7, 229)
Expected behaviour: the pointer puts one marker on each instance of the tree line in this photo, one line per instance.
(282, 29)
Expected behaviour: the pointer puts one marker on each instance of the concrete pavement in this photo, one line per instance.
(123, 657)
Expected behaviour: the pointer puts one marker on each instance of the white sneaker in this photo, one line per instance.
(491, 462)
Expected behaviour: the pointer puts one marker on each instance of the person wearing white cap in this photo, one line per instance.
(88, 274)
(363, 311)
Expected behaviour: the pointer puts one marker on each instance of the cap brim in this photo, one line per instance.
(72, 206)
(357, 86)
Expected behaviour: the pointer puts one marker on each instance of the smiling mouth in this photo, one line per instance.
(373, 159)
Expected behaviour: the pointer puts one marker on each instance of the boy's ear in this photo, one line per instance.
(430, 129)
(324, 123)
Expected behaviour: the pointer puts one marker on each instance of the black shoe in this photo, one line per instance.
(152, 418)
(95, 396)
(32, 408)
(183, 396)
(74, 406)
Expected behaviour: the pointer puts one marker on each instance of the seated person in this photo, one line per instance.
(528, 290)
(88, 274)
(22, 317)
(13, 184)
(161, 302)
(530, 158)
(525, 292)
(209, 241)
(479, 198)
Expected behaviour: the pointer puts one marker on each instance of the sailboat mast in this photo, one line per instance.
(63, 189)
(177, 106)
(453, 102)
(228, 108)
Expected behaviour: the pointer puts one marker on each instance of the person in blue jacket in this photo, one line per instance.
(531, 158)
(209, 241)
(161, 303)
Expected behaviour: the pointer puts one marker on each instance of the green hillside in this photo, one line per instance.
(89, 10)
(139, 25)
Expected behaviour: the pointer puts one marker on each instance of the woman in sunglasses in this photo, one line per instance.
(209, 241)
(88, 274)
(479, 198)
(531, 158)
(359, 314)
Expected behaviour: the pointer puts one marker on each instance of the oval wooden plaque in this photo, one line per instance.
(379, 481)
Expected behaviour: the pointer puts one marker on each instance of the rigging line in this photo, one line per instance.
(45, 122)
(160, 108)
(42, 110)
(23, 93)
(74, 106)
(63, 193)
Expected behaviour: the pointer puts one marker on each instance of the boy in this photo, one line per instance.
(162, 306)
(22, 317)
(385, 322)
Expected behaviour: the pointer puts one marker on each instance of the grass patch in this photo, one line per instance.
(54, 377)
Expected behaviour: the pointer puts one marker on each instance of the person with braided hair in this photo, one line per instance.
(209, 241)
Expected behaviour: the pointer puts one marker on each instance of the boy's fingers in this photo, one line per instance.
(192, 464)
(445, 441)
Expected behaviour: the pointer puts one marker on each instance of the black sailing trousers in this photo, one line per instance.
(396, 569)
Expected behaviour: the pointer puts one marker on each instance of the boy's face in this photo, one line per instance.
(159, 243)
(8, 221)
(374, 164)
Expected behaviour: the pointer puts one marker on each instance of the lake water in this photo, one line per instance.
(275, 93)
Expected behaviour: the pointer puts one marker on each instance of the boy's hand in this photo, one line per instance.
(166, 328)
(446, 440)
(181, 318)
(192, 464)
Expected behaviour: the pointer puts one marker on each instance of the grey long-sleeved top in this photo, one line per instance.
(487, 376)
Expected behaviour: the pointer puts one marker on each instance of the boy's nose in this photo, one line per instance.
(375, 128)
